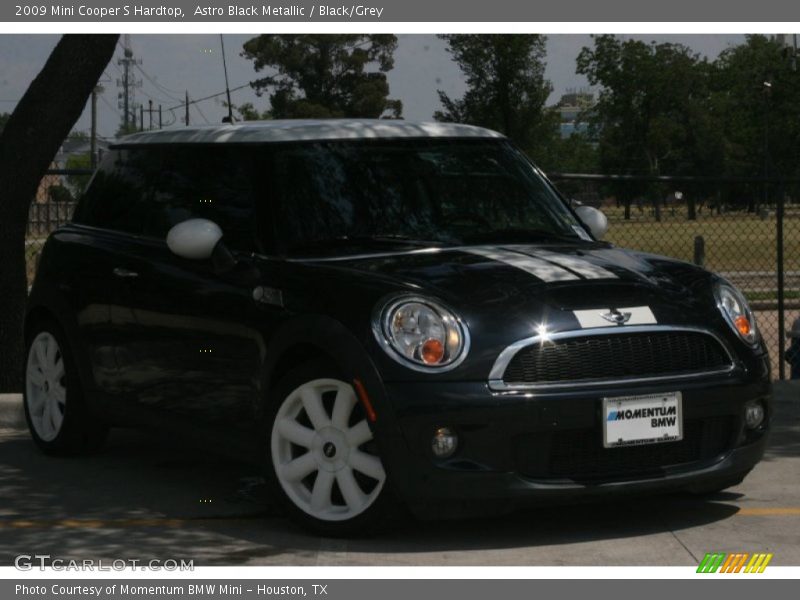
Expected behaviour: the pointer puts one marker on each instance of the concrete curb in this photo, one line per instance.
(12, 415)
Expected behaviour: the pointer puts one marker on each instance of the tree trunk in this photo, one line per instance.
(30, 140)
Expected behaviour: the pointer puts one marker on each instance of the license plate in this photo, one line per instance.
(637, 420)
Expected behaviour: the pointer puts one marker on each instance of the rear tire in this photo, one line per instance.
(323, 464)
(55, 408)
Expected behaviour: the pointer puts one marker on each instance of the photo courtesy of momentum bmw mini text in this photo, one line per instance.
(408, 299)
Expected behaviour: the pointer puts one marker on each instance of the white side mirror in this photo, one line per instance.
(194, 239)
(594, 219)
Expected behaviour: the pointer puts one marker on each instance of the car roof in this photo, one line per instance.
(292, 130)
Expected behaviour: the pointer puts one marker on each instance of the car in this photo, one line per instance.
(392, 318)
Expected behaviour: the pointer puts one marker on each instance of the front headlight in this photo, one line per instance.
(421, 334)
(733, 305)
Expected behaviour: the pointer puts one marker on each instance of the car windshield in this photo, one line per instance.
(342, 196)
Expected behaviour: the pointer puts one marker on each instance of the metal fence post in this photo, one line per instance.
(781, 307)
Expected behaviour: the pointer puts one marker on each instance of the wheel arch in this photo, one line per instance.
(53, 307)
(322, 337)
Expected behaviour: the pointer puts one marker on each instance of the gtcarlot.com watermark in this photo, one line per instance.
(29, 562)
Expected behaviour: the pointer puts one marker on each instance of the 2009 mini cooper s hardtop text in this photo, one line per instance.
(384, 314)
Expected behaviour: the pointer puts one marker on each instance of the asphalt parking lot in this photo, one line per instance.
(148, 497)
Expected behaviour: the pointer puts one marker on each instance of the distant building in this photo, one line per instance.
(572, 109)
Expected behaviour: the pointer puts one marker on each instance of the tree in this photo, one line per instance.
(325, 76)
(755, 101)
(506, 88)
(76, 184)
(3, 120)
(653, 111)
(31, 138)
(247, 112)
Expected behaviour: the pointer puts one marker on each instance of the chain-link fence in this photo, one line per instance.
(52, 207)
(731, 226)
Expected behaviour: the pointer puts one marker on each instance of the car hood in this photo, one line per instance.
(511, 289)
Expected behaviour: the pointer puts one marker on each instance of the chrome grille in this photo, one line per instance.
(616, 355)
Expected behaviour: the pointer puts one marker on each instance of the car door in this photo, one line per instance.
(189, 342)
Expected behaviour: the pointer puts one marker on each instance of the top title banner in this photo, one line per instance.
(406, 11)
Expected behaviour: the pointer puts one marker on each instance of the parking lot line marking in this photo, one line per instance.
(112, 523)
(770, 512)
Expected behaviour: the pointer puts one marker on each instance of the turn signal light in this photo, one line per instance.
(432, 351)
(743, 325)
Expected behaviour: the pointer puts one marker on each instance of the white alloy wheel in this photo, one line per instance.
(46, 392)
(317, 452)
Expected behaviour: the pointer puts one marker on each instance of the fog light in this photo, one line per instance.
(753, 414)
(444, 443)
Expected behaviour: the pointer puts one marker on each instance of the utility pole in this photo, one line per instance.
(187, 108)
(150, 110)
(128, 83)
(93, 135)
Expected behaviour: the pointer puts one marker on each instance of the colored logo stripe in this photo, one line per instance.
(733, 563)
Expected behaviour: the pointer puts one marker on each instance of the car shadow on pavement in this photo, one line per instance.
(149, 496)
(785, 428)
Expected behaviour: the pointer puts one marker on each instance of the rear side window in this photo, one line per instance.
(118, 195)
(146, 191)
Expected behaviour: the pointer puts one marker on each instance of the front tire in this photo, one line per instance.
(323, 461)
(55, 409)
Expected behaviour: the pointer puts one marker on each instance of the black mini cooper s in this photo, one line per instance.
(386, 314)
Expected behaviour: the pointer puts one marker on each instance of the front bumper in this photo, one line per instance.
(517, 448)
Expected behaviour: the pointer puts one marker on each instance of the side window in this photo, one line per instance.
(210, 182)
(118, 196)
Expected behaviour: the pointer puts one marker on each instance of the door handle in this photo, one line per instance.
(125, 273)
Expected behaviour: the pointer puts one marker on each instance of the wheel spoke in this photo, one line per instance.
(35, 376)
(47, 420)
(59, 394)
(359, 434)
(321, 494)
(295, 433)
(348, 485)
(367, 464)
(58, 370)
(56, 416)
(312, 402)
(299, 467)
(36, 403)
(52, 350)
(39, 350)
(343, 406)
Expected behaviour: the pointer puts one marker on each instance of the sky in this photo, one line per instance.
(173, 64)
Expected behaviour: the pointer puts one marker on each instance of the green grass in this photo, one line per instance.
(737, 242)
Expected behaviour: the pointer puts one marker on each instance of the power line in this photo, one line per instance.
(156, 85)
(197, 107)
(182, 104)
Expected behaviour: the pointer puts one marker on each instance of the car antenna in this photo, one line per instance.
(229, 118)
